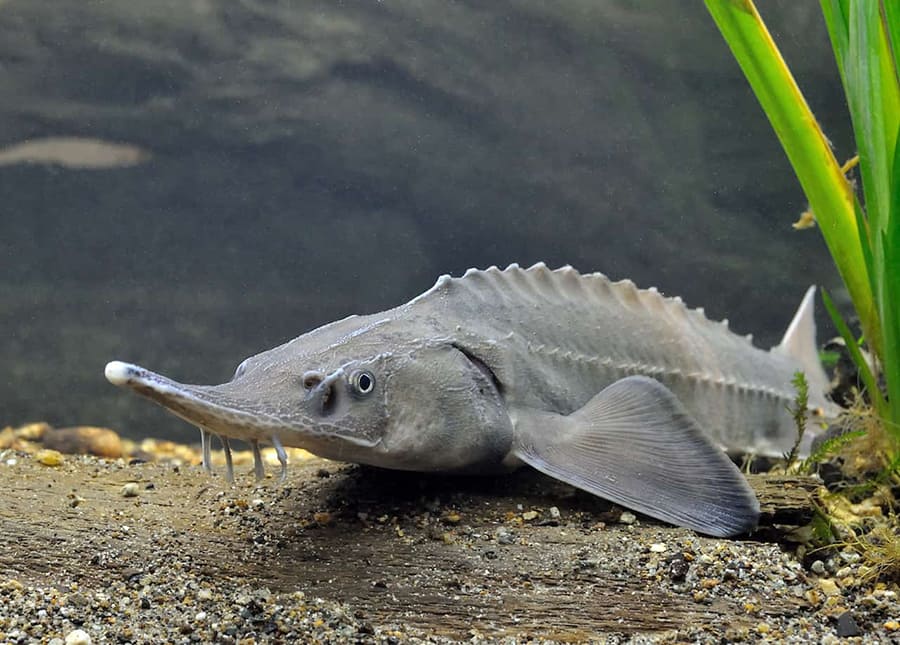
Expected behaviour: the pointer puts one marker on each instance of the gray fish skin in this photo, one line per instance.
(572, 374)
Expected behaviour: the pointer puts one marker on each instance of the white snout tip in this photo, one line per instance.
(118, 373)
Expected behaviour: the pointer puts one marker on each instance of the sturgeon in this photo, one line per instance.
(618, 391)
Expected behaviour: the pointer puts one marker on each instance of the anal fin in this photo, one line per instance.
(636, 445)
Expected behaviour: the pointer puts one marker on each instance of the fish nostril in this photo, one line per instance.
(312, 379)
(328, 399)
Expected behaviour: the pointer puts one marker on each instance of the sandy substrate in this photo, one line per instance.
(151, 552)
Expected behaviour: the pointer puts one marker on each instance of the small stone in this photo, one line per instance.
(78, 637)
(658, 547)
(49, 458)
(85, 440)
(32, 431)
(846, 626)
(13, 585)
(627, 518)
(504, 536)
(709, 583)
(452, 517)
(678, 569)
(844, 572)
(818, 567)
(322, 518)
(829, 587)
(892, 626)
(529, 515)
(204, 594)
(763, 628)
(850, 557)
(131, 489)
(554, 513)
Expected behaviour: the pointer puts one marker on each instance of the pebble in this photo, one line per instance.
(504, 535)
(818, 567)
(78, 637)
(131, 489)
(48, 457)
(829, 587)
(847, 626)
(529, 515)
(627, 518)
(850, 557)
(554, 513)
(85, 440)
(658, 547)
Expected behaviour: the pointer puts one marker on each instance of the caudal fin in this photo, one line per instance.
(799, 343)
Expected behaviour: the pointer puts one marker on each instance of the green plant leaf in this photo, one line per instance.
(835, 12)
(890, 303)
(865, 373)
(891, 9)
(874, 100)
(829, 193)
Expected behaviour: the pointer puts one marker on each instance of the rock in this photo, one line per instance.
(131, 489)
(32, 431)
(78, 637)
(846, 626)
(48, 457)
(829, 587)
(85, 440)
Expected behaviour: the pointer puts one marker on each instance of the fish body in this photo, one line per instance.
(619, 391)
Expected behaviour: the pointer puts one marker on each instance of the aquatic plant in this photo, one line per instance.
(861, 228)
(798, 411)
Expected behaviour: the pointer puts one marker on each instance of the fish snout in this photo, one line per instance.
(121, 374)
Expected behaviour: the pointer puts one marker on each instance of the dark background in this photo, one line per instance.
(315, 159)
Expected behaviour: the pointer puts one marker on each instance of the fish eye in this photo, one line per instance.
(362, 381)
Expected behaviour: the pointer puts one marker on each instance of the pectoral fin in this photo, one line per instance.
(636, 445)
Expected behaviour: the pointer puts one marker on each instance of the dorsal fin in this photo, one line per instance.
(538, 282)
(799, 342)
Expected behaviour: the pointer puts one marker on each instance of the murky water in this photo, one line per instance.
(249, 172)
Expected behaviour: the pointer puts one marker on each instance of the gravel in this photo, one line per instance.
(506, 559)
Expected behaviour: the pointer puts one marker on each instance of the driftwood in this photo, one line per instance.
(440, 555)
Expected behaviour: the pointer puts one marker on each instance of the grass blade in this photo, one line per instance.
(829, 193)
(865, 373)
(874, 101)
